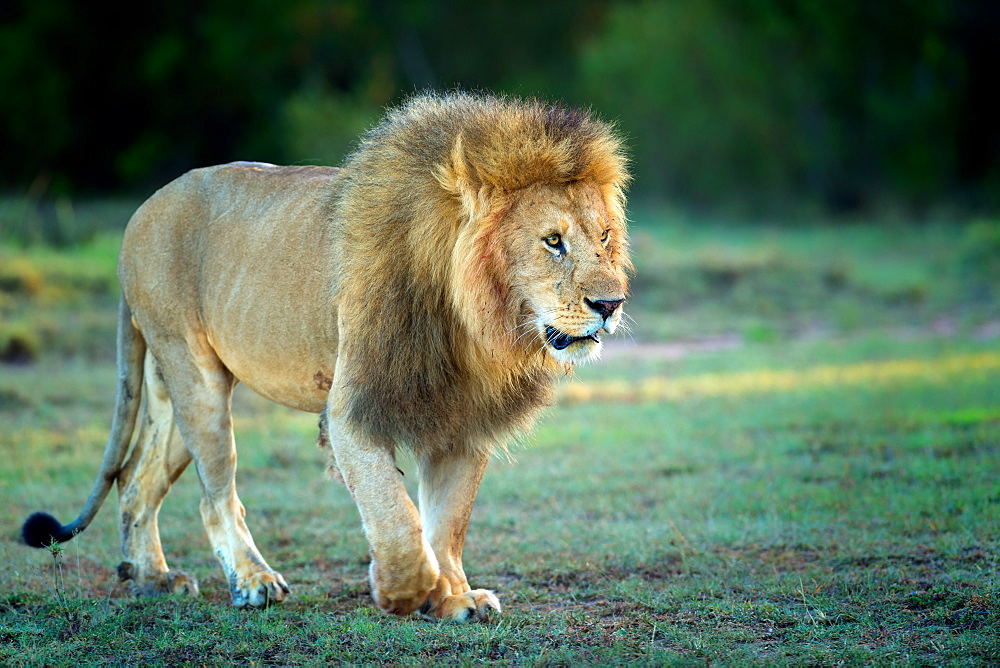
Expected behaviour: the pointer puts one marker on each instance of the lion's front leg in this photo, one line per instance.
(404, 569)
(448, 487)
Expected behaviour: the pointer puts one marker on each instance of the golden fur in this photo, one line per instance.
(426, 295)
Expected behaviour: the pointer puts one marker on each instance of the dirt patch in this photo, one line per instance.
(674, 350)
(778, 559)
(668, 568)
(76, 578)
(670, 351)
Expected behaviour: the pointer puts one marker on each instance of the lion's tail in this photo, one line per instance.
(41, 529)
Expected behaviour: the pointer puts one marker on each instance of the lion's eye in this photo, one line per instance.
(605, 236)
(553, 240)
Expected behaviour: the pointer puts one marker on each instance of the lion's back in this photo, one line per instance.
(230, 211)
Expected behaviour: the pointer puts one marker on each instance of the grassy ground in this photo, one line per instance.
(822, 488)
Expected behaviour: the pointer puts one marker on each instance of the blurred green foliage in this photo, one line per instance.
(769, 99)
(980, 254)
(60, 221)
(726, 103)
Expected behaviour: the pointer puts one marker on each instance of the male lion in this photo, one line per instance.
(427, 294)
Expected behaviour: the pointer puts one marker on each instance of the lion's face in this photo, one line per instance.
(568, 269)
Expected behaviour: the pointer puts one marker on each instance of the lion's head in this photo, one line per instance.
(566, 268)
(545, 247)
(495, 229)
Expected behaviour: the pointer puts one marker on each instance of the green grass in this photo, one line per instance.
(855, 523)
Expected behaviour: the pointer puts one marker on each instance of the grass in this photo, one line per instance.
(742, 520)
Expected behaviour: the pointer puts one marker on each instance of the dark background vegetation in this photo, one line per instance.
(736, 105)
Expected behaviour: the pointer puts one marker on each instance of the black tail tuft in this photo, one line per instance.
(41, 529)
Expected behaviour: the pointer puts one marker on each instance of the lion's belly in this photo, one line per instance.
(279, 338)
(280, 352)
(300, 383)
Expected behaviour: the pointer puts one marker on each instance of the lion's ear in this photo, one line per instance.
(460, 179)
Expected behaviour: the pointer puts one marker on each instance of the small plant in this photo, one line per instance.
(57, 586)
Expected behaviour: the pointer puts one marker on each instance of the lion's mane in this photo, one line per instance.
(429, 358)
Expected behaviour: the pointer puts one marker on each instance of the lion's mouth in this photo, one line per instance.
(561, 341)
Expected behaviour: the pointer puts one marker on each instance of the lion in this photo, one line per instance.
(427, 295)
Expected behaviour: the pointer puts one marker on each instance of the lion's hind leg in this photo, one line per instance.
(200, 388)
(448, 486)
(157, 460)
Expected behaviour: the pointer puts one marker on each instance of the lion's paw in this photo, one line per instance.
(478, 605)
(171, 582)
(402, 591)
(259, 590)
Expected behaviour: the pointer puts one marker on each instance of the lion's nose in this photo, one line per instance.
(604, 306)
